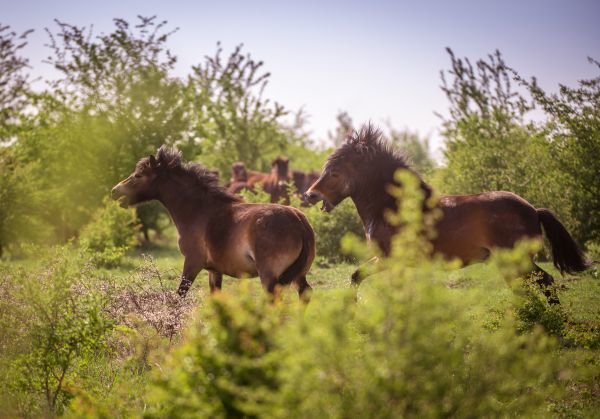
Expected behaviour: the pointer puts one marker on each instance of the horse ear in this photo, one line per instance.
(153, 162)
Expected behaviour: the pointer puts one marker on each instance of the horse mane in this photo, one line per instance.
(378, 160)
(368, 142)
(199, 180)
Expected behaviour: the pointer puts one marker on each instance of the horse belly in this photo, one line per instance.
(237, 260)
(464, 240)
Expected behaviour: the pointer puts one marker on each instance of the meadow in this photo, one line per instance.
(91, 325)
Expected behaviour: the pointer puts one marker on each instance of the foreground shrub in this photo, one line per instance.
(110, 234)
(52, 324)
(331, 227)
(226, 367)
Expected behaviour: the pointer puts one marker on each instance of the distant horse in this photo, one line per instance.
(239, 178)
(303, 180)
(274, 183)
(217, 231)
(471, 225)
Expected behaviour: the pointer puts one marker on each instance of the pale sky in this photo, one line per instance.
(378, 60)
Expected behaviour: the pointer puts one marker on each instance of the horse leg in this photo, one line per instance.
(269, 283)
(190, 271)
(214, 281)
(304, 289)
(363, 271)
(545, 281)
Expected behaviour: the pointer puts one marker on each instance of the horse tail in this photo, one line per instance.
(568, 256)
(299, 267)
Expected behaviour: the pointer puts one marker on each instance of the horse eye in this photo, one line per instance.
(137, 176)
(334, 174)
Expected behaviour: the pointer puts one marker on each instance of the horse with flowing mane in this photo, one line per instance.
(471, 226)
(217, 231)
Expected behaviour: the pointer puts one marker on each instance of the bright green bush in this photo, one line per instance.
(52, 323)
(227, 366)
(331, 227)
(110, 234)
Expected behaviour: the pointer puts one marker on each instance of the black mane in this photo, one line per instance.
(369, 144)
(367, 148)
(376, 161)
(200, 181)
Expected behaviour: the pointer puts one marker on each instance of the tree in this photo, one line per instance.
(344, 127)
(14, 82)
(574, 133)
(114, 102)
(415, 147)
(233, 119)
(489, 146)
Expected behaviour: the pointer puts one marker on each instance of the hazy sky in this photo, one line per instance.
(378, 60)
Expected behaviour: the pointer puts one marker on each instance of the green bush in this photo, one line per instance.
(331, 227)
(110, 234)
(226, 367)
(52, 323)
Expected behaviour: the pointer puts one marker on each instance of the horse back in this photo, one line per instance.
(249, 237)
(472, 225)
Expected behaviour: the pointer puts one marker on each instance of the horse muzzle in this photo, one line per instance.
(312, 197)
(117, 195)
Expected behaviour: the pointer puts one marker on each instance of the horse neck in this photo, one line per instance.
(278, 175)
(371, 204)
(185, 206)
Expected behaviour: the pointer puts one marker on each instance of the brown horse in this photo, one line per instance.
(471, 225)
(274, 183)
(239, 178)
(217, 231)
(304, 180)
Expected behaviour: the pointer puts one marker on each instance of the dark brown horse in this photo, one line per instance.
(304, 180)
(471, 225)
(217, 231)
(239, 178)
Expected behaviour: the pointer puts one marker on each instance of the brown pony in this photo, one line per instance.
(274, 183)
(303, 180)
(217, 231)
(239, 178)
(471, 225)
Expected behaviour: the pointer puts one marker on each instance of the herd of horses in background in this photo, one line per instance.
(276, 183)
(221, 233)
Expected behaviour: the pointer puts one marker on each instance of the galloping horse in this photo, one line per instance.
(217, 231)
(471, 225)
